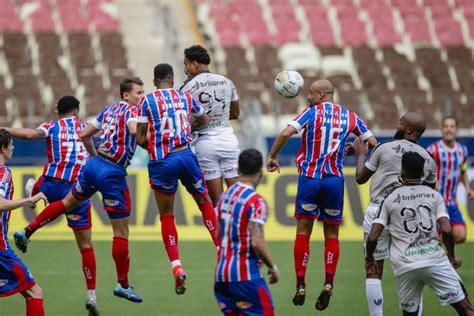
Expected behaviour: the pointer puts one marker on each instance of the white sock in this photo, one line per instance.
(373, 291)
(175, 263)
(420, 307)
(91, 295)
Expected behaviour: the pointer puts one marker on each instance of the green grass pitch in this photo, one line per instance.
(57, 269)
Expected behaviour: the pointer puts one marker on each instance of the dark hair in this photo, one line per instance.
(5, 138)
(67, 104)
(163, 71)
(450, 117)
(197, 53)
(250, 162)
(412, 164)
(127, 84)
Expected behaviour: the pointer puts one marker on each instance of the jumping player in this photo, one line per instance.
(66, 156)
(451, 159)
(165, 114)
(14, 275)
(240, 288)
(105, 172)
(413, 211)
(383, 168)
(215, 145)
(320, 194)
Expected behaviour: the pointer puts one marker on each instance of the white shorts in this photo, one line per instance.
(441, 278)
(218, 155)
(383, 243)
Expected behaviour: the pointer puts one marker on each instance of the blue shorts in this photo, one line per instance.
(455, 216)
(110, 179)
(78, 218)
(244, 298)
(321, 199)
(182, 165)
(14, 275)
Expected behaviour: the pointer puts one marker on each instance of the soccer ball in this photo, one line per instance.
(288, 83)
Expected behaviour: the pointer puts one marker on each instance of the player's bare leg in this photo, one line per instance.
(304, 228)
(216, 188)
(84, 243)
(34, 300)
(50, 213)
(459, 233)
(331, 257)
(121, 257)
(169, 234)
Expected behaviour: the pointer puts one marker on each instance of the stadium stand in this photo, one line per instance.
(385, 57)
(49, 48)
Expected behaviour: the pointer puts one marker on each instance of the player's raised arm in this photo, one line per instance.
(86, 137)
(25, 133)
(363, 173)
(260, 246)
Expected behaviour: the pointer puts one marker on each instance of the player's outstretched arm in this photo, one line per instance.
(25, 133)
(282, 139)
(10, 205)
(260, 246)
(361, 149)
(234, 110)
(86, 138)
(448, 241)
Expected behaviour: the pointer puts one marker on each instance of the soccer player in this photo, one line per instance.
(14, 275)
(105, 172)
(240, 288)
(216, 146)
(383, 168)
(320, 194)
(413, 212)
(66, 156)
(451, 159)
(165, 114)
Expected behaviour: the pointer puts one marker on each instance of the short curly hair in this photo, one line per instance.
(5, 138)
(197, 53)
(413, 164)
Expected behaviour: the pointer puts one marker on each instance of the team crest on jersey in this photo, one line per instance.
(309, 207)
(3, 282)
(332, 212)
(111, 202)
(244, 305)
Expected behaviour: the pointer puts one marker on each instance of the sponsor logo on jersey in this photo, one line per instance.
(422, 250)
(111, 202)
(332, 212)
(309, 207)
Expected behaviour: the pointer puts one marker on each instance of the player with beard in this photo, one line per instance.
(383, 167)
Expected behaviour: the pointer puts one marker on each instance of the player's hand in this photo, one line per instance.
(273, 165)
(456, 262)
(371, 267)
(37, 197)
(360, 147)
(274, 275)
(470, 194)
(349, 149)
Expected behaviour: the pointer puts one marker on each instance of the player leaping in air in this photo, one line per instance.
(320, 193)
(66, 156)
(105, 172)
(166, 115)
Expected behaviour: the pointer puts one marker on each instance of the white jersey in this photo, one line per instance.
(215, 93)
(412, 213)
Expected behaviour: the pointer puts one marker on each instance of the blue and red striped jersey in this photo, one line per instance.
(66, 152)
(168, 114)
(6, 192)
(239, 205)
(449, 162)
(326, 127)
(115, 139)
